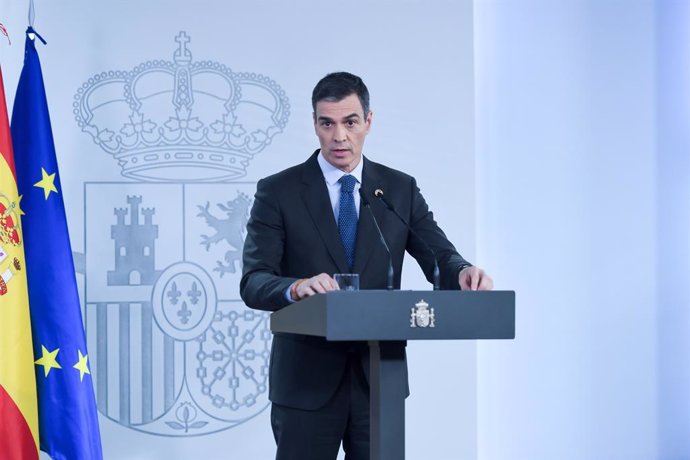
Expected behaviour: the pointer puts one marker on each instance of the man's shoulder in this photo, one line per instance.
(291, 174)
(286, 174)
(383, 171)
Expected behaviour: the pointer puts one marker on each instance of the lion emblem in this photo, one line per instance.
(229, 228)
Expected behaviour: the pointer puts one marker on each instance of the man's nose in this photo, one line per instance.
(339, 134)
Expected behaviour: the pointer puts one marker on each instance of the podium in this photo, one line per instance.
(385, 319)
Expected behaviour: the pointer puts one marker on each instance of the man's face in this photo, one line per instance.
(341, 128)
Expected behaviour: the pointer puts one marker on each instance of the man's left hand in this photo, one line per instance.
(475, 279)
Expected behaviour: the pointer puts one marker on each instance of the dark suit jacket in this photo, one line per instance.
(292, 234)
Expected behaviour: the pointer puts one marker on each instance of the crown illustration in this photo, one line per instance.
(181, 120)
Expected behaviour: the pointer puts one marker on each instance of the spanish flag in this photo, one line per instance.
(18, 403)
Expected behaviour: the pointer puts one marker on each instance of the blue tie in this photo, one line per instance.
(347, 217)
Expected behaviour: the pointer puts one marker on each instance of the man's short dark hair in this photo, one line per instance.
(337, 86)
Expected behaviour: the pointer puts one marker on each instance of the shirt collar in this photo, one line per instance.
(333, 174)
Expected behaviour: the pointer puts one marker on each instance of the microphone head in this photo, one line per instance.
(378, 193)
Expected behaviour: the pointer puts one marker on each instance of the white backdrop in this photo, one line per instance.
(583, 176)
(416, 58)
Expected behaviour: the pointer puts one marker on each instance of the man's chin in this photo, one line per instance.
(343, 162)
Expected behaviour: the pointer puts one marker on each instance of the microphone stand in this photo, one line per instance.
(366, 204)
(437, 273)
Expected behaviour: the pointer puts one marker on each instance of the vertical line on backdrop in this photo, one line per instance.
(124, 364)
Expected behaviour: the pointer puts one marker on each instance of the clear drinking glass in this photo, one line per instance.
(347, 281)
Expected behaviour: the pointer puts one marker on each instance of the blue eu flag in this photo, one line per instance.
(68, 421)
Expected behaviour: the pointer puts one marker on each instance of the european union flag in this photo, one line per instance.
(68, 421)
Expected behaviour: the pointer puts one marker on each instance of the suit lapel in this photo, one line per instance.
(367, 235)
(317, 202)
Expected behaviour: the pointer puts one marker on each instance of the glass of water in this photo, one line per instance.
(347, 281)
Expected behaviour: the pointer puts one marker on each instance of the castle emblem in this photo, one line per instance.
(134, 246)
(175, 350)
(422, 316)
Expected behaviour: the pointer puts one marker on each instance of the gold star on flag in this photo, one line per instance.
(47, 183)
(17, 207)
(48, 360)
(82, 366)
(14, 207)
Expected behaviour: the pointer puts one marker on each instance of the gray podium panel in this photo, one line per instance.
(388, 315)
(385, 319)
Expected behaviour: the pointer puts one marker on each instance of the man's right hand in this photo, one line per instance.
(318, 284)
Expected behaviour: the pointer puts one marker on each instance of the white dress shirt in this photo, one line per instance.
(332, 175)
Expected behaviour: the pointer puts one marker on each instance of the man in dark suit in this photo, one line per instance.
(306, 224)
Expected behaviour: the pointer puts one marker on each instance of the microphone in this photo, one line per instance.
(366, 204)
(378, 193)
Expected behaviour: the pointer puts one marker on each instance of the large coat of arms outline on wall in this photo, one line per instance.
(174, 351)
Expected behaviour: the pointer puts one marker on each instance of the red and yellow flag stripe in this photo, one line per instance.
(18, 402)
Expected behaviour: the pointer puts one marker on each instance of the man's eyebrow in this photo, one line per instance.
(353, 115)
